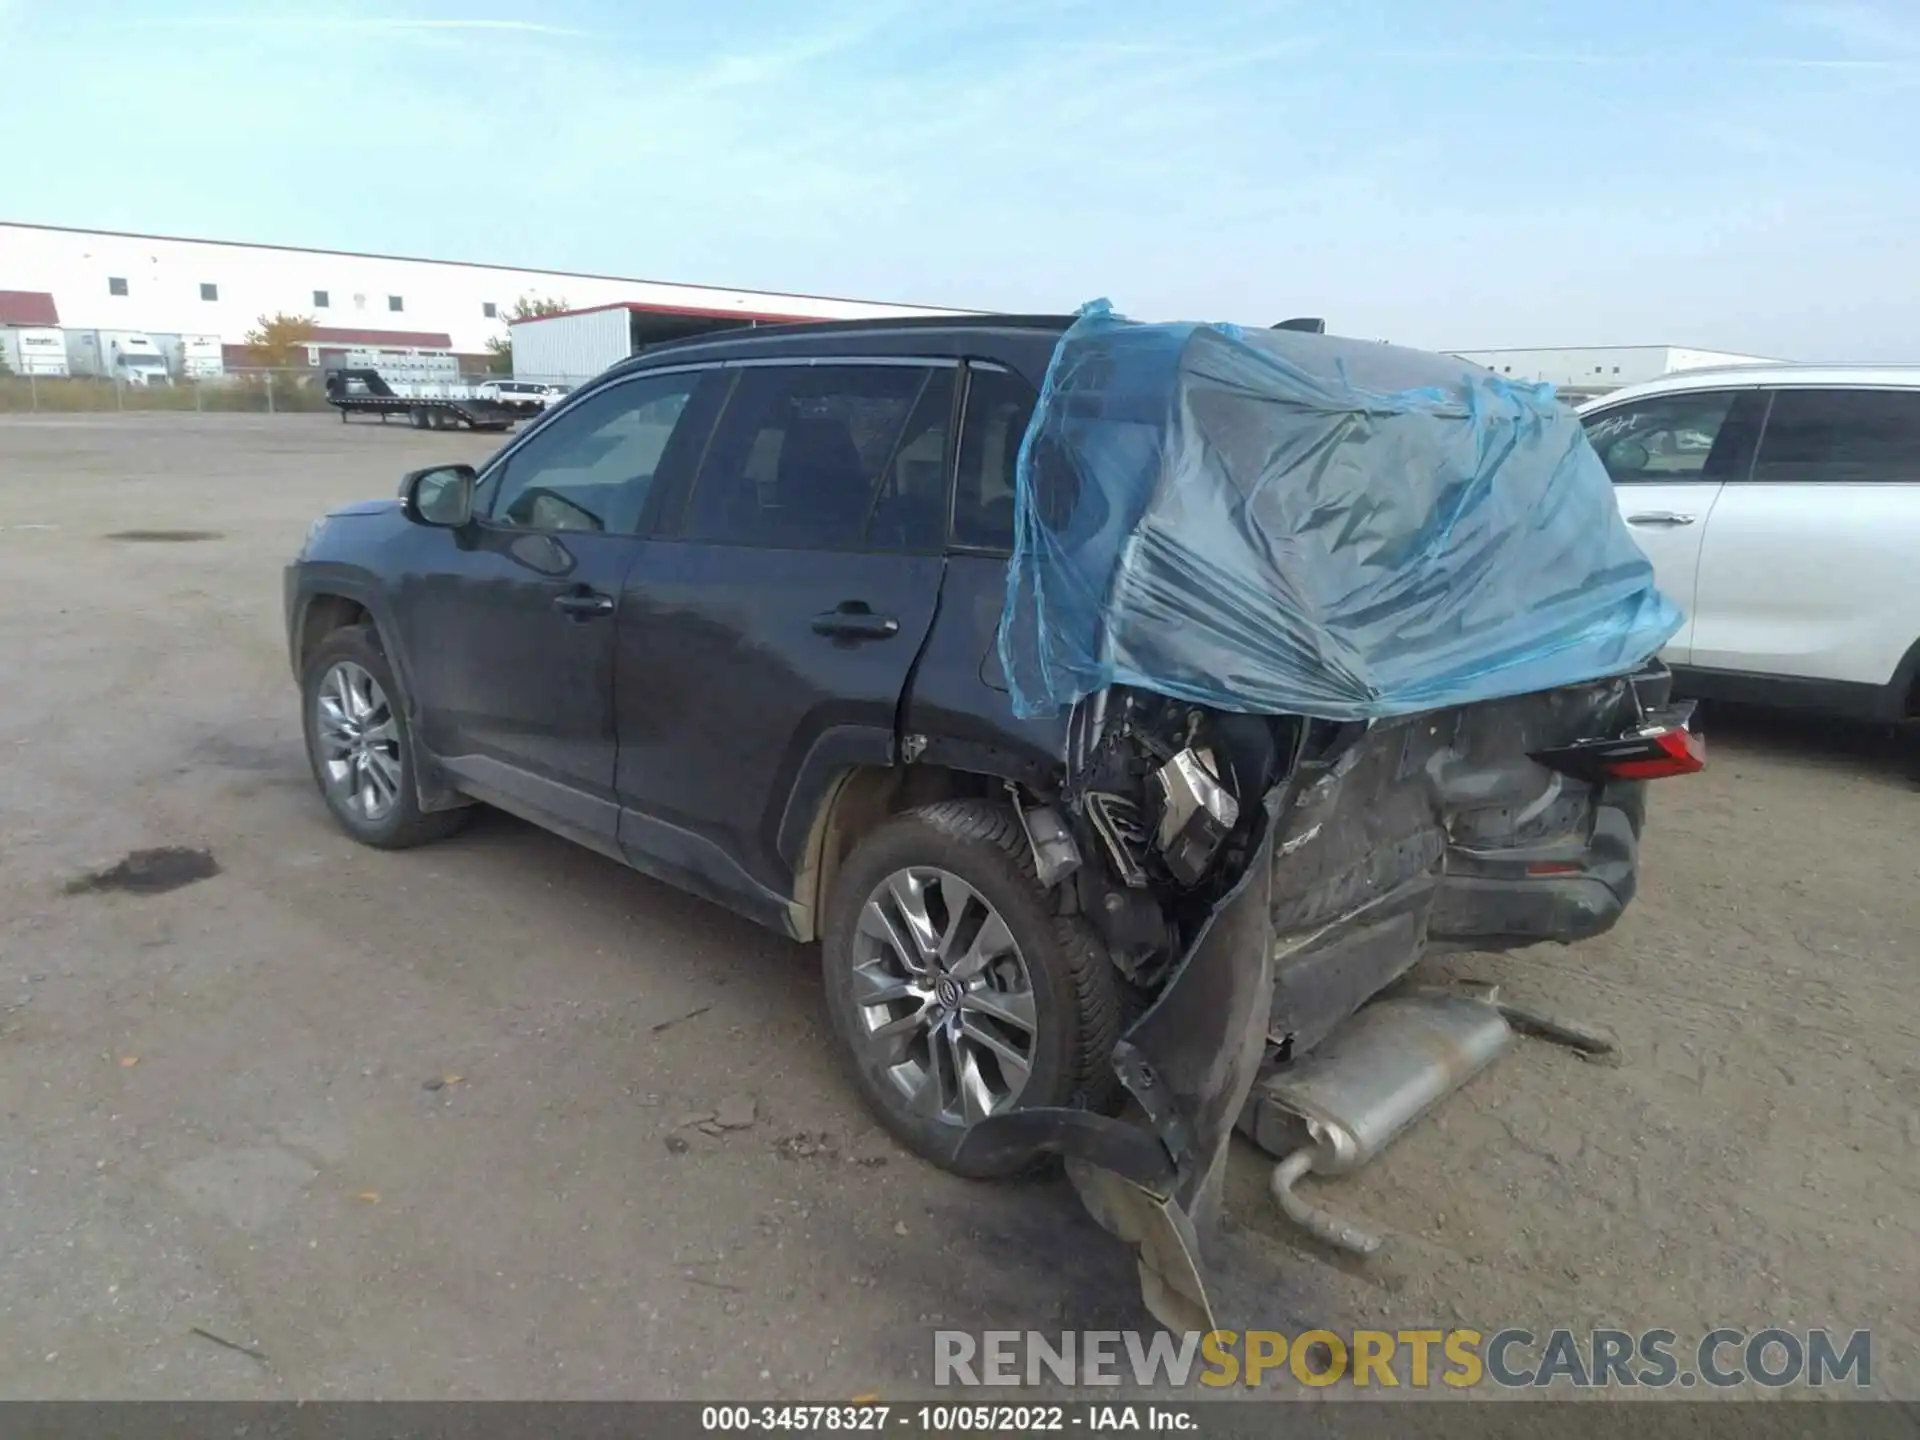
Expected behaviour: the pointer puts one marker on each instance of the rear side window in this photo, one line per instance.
(828, 457)
(1841, 437)
(1665, 439)
(999, 406)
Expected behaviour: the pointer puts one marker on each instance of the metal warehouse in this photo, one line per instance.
(576, 345)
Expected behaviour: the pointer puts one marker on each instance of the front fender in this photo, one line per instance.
(308, 581)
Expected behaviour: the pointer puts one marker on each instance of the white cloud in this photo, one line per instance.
(347, 24)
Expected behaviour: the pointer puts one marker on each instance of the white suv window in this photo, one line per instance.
(1841, 437)
(1667, 438)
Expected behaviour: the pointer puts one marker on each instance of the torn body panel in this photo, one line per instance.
(1189, 1064)
(1353, 849)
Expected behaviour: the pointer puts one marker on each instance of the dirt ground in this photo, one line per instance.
(397, 1123)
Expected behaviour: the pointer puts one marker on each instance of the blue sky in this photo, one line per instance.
(1729, 173)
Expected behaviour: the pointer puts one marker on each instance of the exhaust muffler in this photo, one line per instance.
(1334, 1110)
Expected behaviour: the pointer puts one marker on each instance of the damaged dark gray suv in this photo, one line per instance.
(738, 614)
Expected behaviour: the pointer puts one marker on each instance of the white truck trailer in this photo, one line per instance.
(33, 350)
(192, 357)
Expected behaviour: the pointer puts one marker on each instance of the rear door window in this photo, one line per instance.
(999, 407)
(828, 457)
(1841, 437)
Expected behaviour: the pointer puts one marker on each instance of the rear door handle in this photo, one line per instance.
(854, 621)
(583, 604)
(1659, 517)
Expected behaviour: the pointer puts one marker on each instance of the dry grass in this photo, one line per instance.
(256, 393)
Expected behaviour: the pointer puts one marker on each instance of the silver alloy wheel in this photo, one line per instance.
(942, 995)
(358, 741)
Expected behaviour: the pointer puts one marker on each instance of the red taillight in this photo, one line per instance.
(1664, 743)
(1679, 752)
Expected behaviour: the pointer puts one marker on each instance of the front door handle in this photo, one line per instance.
(855, 621)
(1659, 517)
(583, 604)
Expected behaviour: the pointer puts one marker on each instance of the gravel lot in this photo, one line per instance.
(397, 1123)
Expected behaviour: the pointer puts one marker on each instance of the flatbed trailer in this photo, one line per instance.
(366, 392)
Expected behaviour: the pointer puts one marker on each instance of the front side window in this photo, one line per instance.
(1841, 437)
(593, 468)
(999, 407)
(829, 457)
(1665, 439)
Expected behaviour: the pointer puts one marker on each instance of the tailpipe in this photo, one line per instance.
(1327, 1229)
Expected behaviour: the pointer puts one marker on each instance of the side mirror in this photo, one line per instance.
(441, 497)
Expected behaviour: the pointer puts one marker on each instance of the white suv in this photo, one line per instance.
(1780, 506)
(522, 394)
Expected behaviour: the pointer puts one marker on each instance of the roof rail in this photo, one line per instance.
(984, 321)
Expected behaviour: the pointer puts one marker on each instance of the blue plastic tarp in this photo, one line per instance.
(1278, 522)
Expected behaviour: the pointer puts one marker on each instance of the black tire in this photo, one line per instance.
(1076, 1004)
(419, 417)
(405, 824)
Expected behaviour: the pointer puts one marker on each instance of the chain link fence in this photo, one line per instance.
(249, 392)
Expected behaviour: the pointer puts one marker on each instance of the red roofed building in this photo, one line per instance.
(28, 308)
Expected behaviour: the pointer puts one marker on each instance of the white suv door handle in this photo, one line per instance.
(1659, 517)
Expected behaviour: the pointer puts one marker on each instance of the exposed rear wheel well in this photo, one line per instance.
(326, 614)
(866, 798)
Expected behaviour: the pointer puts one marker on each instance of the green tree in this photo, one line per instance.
(527, 307)
(279, 340)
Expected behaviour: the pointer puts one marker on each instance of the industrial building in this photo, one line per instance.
(576, 345)
(1578, 371)
(169, 290)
